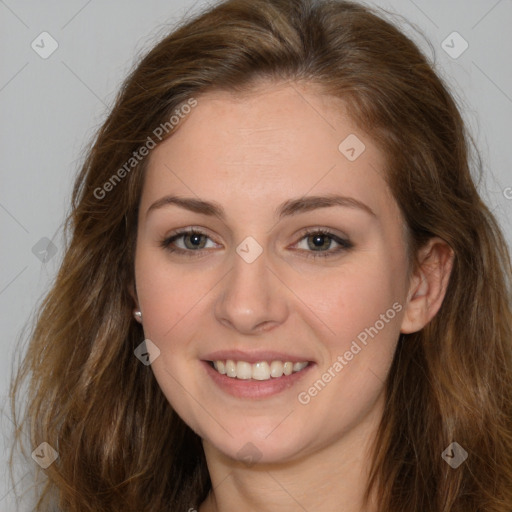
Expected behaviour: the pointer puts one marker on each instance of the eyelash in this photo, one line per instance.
(344, 244)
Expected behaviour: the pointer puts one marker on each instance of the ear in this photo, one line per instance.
(428, 285)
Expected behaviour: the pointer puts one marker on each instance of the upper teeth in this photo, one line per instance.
(258, 371)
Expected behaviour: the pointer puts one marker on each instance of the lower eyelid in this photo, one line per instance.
(337, 251)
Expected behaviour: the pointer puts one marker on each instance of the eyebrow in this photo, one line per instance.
(286, 209)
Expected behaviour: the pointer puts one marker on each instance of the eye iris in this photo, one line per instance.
(195, 239)
(320, 241)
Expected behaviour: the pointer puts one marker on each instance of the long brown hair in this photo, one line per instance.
(120, 445)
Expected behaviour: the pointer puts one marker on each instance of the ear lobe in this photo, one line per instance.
(428, 285)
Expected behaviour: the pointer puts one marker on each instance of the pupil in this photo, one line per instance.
(194, 240)
(320, 241)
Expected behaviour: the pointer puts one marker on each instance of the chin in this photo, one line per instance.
(251, 448)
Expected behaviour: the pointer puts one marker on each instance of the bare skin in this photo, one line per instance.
(296, 449)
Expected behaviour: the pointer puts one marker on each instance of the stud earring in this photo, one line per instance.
(137, 314)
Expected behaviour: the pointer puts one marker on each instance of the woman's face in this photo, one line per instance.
(297, 255)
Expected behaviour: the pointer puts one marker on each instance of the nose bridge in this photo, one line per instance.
(251, 298)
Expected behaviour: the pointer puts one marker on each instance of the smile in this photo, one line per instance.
(262, 370)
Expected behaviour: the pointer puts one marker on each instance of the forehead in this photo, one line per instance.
(266, 145)
(270, 117)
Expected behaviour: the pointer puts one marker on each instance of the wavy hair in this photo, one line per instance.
(121, 446)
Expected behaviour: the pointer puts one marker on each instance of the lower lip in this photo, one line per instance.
(251, 388)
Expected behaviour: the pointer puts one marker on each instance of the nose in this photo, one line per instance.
(253, 299)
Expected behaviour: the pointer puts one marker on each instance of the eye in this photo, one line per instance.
(187, 241)
(320, 243)
(314, 243)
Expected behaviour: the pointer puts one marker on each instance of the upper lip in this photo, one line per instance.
(253, 357)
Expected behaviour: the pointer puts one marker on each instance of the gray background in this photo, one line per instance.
(50, 109)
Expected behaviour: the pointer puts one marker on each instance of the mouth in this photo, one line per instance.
(260, 371)
(256, 376)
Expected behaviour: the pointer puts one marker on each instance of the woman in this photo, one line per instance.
(282, 289)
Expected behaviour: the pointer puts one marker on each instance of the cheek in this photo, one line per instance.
(350, 300)
(361, 306)
(362, 310)
(165, 295)
(169, 301)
